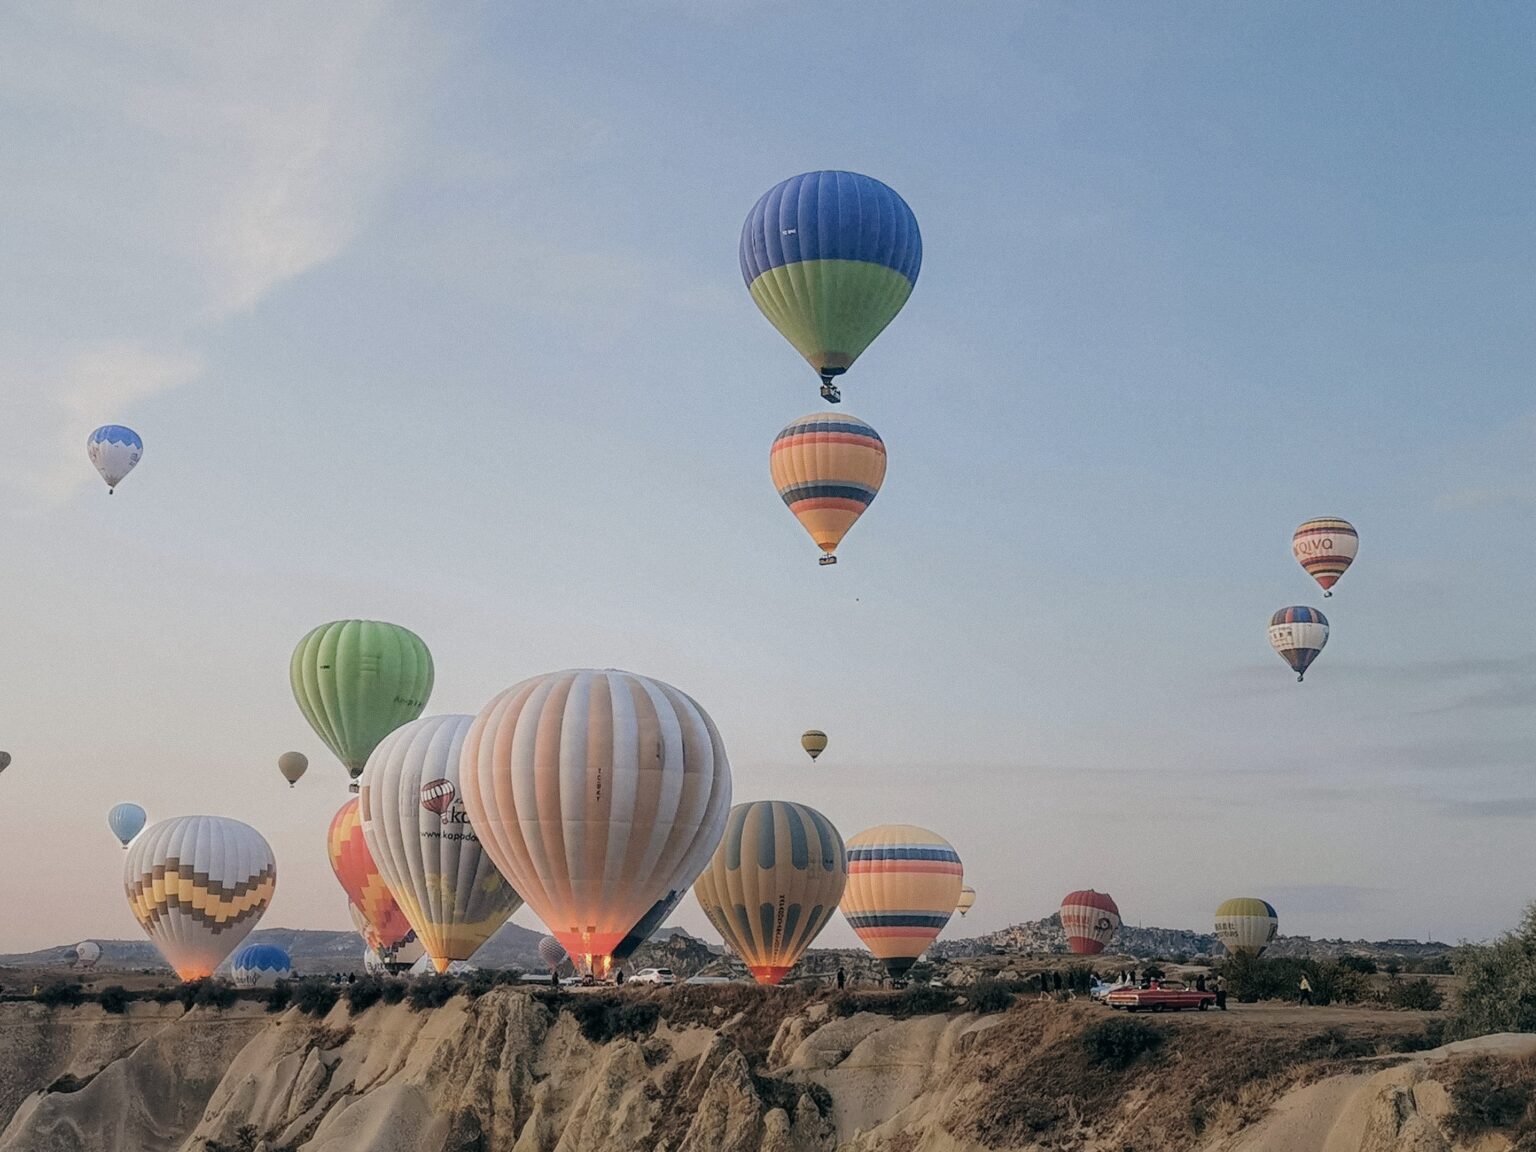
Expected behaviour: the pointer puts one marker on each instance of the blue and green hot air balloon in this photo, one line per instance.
(830, 258)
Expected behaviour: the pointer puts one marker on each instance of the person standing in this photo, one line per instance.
(1306, 990)
(1221, 993)
(1200, 982)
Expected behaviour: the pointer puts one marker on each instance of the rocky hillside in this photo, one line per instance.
(725, 1069)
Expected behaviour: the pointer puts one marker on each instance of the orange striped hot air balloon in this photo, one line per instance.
(827, 468)
(1325, 548)
(903, 884)
(1089, 919)
(359, 875)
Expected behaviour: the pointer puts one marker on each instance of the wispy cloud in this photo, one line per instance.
(165, 171)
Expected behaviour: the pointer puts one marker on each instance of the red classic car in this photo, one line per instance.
(1160, 996)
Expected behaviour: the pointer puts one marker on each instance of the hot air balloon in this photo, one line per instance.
(359, 875)
(126, 821)
(1089, 920)
(773, 883)
(903, 885)
(376, 958)
(1325, 548)
(114, 450)
(198, 885)
(1298, 634)
(827, 470)
(87, 954)
(830, 258)
(420, 839)
(1246, 926)
(356, 681)
(814, 742)
(260, 966)
(5, 761)
(594, 792)
(967, 900)
(292, 765)
(552, 953)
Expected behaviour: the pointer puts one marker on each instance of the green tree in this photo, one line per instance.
(1499, 984)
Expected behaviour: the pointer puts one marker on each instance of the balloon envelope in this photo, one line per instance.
(903, 885)
(5, 761)
(377, 958)
(292, 765)
(198, 885)
(356, 681)
(1089, 920)
(260, 966)
(1298, 635)
(814, 742)
(421, 841)
(114, 450)
(595, 793)
(126, 822)
(1246, 925)
(827, 469)
(87, 953)
(1325, 548)
(359, 875)
(773, 883)
(830, 258)
(967, 900)
(552, 952)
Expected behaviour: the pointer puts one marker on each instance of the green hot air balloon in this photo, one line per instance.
(356, 681)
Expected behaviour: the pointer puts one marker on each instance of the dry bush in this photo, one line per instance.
(1489, 1094)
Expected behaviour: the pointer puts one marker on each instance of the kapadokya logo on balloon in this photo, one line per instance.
(423, 845)
(437, 796)
(600, 795)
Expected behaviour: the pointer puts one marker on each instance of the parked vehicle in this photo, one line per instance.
(654, 976)
(1161, 996)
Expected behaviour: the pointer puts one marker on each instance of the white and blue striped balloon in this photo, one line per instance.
(126, 821)
(114, 450)
(260, 966)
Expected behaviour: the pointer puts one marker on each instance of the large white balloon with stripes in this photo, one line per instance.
(595, 792)
(197, 886)
(422, 844)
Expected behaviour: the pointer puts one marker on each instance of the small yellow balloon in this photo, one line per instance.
(814, 742)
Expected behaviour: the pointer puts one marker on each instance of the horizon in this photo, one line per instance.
(436, 318)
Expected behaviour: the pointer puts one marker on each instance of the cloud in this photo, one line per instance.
(165, 171)
(1517, 808)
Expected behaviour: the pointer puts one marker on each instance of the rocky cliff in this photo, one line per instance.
(724, 1069)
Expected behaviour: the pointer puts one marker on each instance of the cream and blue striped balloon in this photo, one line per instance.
(827, 469)
(773, 883)
(830, 258)
(903, 884)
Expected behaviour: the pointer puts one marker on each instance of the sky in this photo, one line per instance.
(434, 316)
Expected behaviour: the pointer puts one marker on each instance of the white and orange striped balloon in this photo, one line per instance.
(903, 885)
(591, 791)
